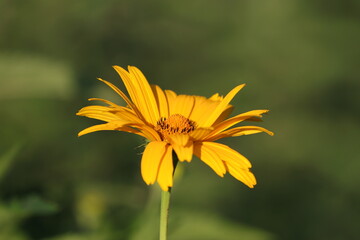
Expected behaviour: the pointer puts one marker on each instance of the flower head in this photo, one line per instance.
(187, 125)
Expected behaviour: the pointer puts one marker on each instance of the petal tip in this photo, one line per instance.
(239, 87)
(133, 67)
(119, 69)
(148, 181)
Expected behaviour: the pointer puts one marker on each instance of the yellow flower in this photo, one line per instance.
(187, 125)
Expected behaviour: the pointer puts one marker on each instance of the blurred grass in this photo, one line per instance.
(7, 158)
(298, 58)
(29, 76)
(194, 225)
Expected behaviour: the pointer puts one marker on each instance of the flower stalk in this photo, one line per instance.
(164, 213)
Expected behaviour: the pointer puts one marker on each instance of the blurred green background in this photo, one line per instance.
(299, 58)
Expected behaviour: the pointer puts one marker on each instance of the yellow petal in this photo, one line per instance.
(98, 112)
(253, 119)
(239, 131)
(222, 106)
(243, 175)
(147, 94)
(161, 101)
(236, 164)
(203, 108)
(246, 130)
(106, 117)
(216, 97)
(126, 99)
(237, 119)
(151, 159)
(127, 115)
(109, 126)
(165, 175)
(200, 133)
(224, 115)
(104, 101)
(182, 145)
(170, 97)
(140, 92)
(228, 154)
(94, 108)
(130, 85)
(147, 131)
(109, 114)
(95, 128)
(209, 157)
(114, 108)
(183, 105)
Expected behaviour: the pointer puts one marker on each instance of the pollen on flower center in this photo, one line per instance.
(176, 123)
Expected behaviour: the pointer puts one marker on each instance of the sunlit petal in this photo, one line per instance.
(222, 106)
(109, 114)
(104, 101)
(148, 131)
(203, 108)
(140, 92)
(147, 94)
(239, 131)
(182, 145)
(200, 133)
(237, 119)
(170, 97)
(228, 154)
(109, 126)
(243, 175)
(161, 101)
(165, 175)
(184, 105)
(151, 159)
(236, 164)
(210, 157)
(225, 114)
(123, 96)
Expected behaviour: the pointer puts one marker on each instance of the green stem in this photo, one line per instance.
(165, 202)
(164, 212)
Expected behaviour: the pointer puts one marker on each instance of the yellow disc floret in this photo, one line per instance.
(175, 124)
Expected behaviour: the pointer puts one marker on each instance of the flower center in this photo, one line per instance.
(176, 123)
